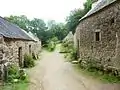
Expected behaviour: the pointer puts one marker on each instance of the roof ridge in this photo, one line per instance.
(100, 4)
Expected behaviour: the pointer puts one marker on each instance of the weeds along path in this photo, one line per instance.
(53, 73)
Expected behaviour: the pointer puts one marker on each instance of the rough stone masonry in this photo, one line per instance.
(98, 35)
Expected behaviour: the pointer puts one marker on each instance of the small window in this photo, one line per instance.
(97, 36)
(112, 21)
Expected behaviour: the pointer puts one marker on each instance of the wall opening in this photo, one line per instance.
(78, 54)
(112, 21)
(30, 49)
(97, 36)
(20, 56)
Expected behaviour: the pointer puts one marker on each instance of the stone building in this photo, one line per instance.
(69, 37)
(14, 43)
(75, 40)
(98, 34)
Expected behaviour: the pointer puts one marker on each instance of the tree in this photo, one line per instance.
(57, 30)
(88, 5)
(76, 15)
(39, 28)
(36, 26)
(73, 19)
(22, 21)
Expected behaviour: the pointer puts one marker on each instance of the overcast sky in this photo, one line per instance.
(44, 9)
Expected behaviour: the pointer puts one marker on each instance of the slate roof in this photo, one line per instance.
(10, 30)
(35, 38)
(31, 35)
(100, 4)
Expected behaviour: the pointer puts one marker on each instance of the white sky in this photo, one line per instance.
(44, 9)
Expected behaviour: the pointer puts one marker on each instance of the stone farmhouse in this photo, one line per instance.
(98, 34)
(14, 43)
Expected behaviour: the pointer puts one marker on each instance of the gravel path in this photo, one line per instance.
(53, 73)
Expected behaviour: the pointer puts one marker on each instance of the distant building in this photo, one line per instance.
(98, 34)
(69, 37)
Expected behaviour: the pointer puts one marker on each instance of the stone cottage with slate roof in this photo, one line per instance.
(69, 37)
(14, 43)
(98, 34)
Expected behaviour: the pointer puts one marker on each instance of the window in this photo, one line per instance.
(112, 21)
(97, 36)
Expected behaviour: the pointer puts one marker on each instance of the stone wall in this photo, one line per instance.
(10, 49)
(75, 41)
(9, 52)
(106, 50)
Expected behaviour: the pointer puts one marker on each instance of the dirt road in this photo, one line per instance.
(53, 73)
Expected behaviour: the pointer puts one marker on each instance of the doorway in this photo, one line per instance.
(30, 52)
(78, 54)
(20, 56)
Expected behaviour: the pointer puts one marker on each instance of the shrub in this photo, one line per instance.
(34, 56)
(67, 47)
(73, 54)
(12, 73)
(28, 61)
(51, 46)
(22, 74)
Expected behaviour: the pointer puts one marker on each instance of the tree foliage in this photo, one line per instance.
(58, 30)
(22, 21)
(52, 29)
(38, 27)
(76, 15)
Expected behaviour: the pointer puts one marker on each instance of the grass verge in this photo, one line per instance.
(21, 85)
(105, 78)
(15, 86)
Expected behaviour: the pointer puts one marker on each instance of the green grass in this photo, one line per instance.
(15, 86)
(21, 85)
(105, 78)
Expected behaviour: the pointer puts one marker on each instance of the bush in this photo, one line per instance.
(34, 56)
(12, 73)
(28, 61)
(22, 74)
(12, 69)
(51, 46)
(69, 50)
(73, 54)
(15, 74)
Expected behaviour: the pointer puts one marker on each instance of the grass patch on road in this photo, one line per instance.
(105, 78)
